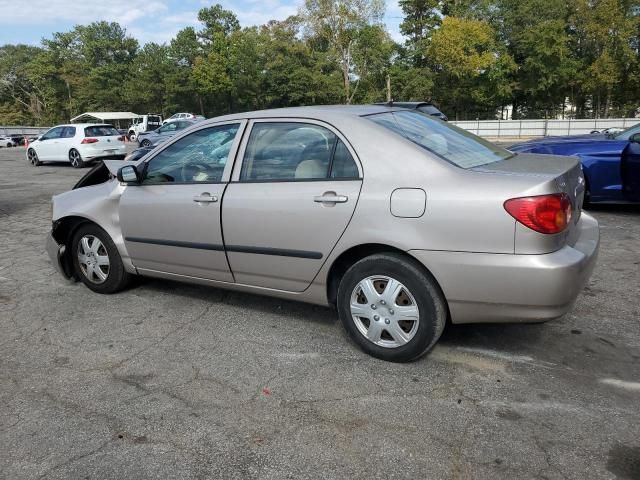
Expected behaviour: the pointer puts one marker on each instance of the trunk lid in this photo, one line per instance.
(548, 174)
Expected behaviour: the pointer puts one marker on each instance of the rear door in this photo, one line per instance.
(290, 200)
(171, 222)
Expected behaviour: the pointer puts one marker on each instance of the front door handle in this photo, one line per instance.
(205, 197)
(331, 197)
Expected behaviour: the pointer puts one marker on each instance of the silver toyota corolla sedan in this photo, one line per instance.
(398, 219)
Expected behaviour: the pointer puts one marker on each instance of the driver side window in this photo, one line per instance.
(53, 133)
(200, 157)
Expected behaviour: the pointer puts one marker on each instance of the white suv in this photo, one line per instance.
(77, 143)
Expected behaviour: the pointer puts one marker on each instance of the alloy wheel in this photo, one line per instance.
(75, 158)
(384, 311)
(93, 259)
(33, 157)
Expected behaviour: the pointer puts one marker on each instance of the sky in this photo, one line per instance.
(28, 21)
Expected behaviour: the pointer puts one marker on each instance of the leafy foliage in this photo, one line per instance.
(578, 58)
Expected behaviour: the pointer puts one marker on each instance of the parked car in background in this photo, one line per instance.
(137, 154)
(610, 161)
(77, 144)
(424, 107)
(400, 220)
(610, 130)
(146, 123)
(6, 141)
(162, 134)
(179, 116)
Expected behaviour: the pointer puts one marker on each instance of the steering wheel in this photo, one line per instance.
(190, 170)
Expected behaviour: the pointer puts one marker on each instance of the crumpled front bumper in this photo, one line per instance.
(56, 255)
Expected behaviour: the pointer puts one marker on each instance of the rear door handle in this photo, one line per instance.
(205, 197)
(326, 198)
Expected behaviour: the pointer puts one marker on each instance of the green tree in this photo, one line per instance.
(339, 24)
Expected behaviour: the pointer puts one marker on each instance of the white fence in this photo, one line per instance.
(541, 128)
(25, 131)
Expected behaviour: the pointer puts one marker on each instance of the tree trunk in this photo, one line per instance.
(345, 79)
(607, 103)
(201, 105)
(388, 89)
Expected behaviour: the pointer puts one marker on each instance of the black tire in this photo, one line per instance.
(145, 143)
(75, 158)
(116, 277)
(432, 309)
(33, 158)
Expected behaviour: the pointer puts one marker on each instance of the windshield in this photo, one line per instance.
(454, 144)
(626, 134)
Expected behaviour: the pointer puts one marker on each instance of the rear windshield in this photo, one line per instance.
(455, 145)
(430, 109)
(101, 131)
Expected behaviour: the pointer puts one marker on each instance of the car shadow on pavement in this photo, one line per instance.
(251, 301)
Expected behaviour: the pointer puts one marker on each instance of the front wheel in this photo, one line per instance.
(96, 260)
(391, 307)
(75, 158)
(33, 158)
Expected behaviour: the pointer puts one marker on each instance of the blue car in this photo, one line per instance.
(610, 162)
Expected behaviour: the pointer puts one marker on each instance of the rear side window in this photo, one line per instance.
(101, 131)
(451, 143)
(290, 151)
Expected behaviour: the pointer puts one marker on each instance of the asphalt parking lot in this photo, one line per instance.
(175, 381)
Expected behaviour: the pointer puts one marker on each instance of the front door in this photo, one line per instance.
(291, 199)
(630, 171)
(171, 222)
(49, 143)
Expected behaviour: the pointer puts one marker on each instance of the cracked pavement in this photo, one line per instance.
(168, 380)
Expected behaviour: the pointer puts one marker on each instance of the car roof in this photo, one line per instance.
(319, 112)
(84, 125)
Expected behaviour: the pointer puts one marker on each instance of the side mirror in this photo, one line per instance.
(128, 175)
(635, 138)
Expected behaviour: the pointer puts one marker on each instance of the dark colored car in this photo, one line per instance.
(424, 107)
(610, 162)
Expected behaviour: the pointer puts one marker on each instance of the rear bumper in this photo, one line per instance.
(56, 253)
(487, 288)
(89, 152)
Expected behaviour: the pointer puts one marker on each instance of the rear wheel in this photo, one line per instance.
(75, 158)
(391, 307)
(96, 260)
(33, 158)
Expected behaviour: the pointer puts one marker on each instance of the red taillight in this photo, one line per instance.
(542, 213)
(89, 140)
